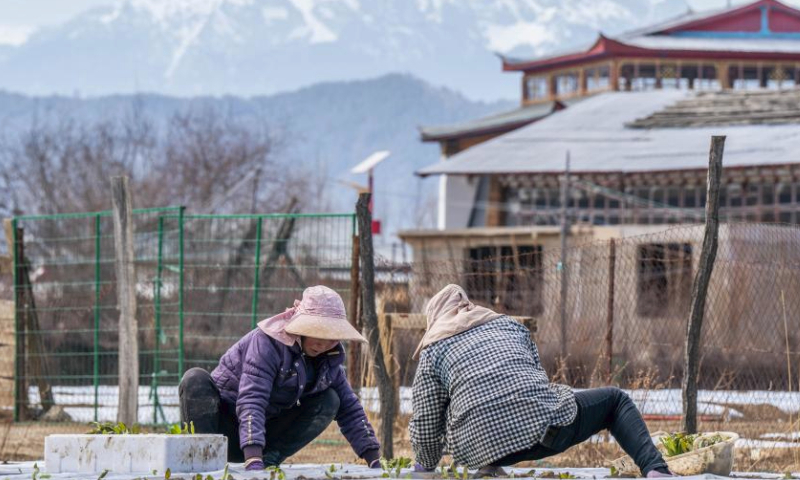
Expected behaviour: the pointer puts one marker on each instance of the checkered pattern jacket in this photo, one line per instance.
(483, 394)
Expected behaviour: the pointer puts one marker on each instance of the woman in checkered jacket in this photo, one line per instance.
(480, 392)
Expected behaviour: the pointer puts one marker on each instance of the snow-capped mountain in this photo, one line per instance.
(190, 47)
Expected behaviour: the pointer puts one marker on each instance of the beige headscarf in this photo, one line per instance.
(449, 313)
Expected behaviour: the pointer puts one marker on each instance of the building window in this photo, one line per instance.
(598, 78)
(536, 88)
(566, 84)
(670, 77)
(745, 77)
(707, 78)
(664, 280)
(505, 278)
(779, 77)
(644, 77)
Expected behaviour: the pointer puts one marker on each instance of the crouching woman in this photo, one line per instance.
(480, 390)
(281, 385)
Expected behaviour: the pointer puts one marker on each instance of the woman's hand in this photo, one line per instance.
(375, 463)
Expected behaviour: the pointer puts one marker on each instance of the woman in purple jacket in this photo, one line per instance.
(281, 385)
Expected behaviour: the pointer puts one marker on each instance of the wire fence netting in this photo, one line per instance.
(607, 311)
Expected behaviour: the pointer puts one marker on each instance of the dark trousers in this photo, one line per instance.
(286, 433)
(598, 409)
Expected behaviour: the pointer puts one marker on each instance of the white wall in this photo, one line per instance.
(456, 199)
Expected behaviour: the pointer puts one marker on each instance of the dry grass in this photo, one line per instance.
(25, 441)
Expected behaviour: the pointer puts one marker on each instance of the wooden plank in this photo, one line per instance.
(8, 228)
(126, 290)
(7, 348)
(6, 265)
(418, 321)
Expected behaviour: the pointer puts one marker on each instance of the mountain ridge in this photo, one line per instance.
(249, 47)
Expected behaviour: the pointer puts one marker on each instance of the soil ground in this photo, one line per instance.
(25, 441)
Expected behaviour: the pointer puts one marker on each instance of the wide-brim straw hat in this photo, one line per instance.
(321, 314)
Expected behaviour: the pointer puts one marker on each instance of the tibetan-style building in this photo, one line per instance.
(750, 47)
(635, 115)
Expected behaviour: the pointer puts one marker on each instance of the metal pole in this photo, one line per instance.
(180, 290)
(254, 317)
(96, 356)
(157, 359)
(371, 185)
(18, 378)
(563, 262)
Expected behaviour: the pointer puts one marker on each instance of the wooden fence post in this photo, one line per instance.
(126, 293)
(700, 286)
(20, 324)
(385, 388)
(612, 260)
(354, 373)
(565, 195)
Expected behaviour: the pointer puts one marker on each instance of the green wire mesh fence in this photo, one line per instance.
(240, 269)
(202, 282)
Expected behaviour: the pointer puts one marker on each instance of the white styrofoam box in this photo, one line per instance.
(135, 453)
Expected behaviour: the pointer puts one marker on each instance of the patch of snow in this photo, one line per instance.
(109, 17)
(787, 435)
(187, 35)
(649, 402)
(503, 38)
(595, 13)
(15, 35)
(162, 11)
(315, 29)
(274, 13)
(766, 444)
(223, 26)
(431, 9)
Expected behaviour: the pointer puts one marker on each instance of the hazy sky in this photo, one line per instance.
(18, 18)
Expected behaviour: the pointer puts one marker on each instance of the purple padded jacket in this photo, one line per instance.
(261, 376)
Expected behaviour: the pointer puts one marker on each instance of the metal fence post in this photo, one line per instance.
(180, 290)
(254, 317)
(157, 308)
(96, 356)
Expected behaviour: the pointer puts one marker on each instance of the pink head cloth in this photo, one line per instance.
(275, 326)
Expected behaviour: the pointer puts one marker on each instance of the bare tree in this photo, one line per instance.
(206, 159)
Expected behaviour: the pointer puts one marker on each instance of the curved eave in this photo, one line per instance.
(597, 50)
(699, 23)
(497, 129)
(610, 48)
